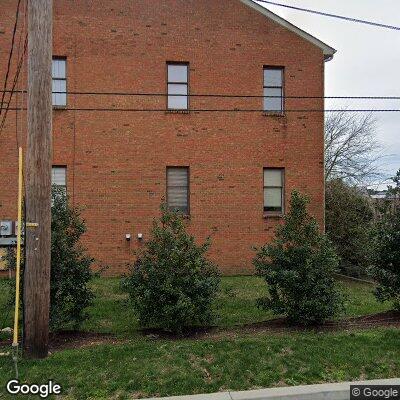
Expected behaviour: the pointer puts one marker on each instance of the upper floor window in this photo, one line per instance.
(178, 189)
(178, 86)
(59, 74)
(273, 89)
(274, 190)
(59, 177)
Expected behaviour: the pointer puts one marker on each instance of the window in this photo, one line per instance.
(59, 177)
(178, 89)
(273, 87)
(59, 74)
(178, 189)
(274, 190)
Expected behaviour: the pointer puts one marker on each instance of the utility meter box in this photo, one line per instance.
(7, 234)
(6, 228)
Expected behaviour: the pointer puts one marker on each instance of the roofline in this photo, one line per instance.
(327, 50)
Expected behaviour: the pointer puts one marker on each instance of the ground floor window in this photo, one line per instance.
(178, 189)
(274, 190)
(59, 177)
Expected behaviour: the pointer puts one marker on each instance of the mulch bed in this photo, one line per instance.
(73, 339)
(78, 339)
(280, 325)
(384, 319)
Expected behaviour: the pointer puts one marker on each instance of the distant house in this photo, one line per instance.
(230, 171)
(379, 195)
(383, 195)
(381, 198)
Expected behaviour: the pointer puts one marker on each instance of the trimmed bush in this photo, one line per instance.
(172, 285)
(298, 267)
(70, 293)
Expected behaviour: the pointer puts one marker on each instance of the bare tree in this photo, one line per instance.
(352, 151)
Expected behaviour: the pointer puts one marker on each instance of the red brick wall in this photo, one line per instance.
(117, 160)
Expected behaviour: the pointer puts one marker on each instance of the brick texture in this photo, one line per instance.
(117, 160)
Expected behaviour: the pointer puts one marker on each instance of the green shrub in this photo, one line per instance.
(386, 269)
(349, 221)
(70, 294)
(70, 273)
(298, 266)
(172, 285)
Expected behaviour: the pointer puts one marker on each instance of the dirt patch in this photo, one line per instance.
(72, 340)
(280, 325)
(384, 317)
(193, 332)
(388, 318)
(77, 339)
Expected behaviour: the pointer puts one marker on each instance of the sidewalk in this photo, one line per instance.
(329, 391)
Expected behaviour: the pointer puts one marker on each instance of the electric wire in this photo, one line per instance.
(10, 54)
(216, 95)
(17, 94)
(277, 113)
(325, 14)
(8, 108)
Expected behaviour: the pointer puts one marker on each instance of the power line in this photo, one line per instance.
(215, 95)
(17, 94)
(325, 14)
(232, 110)
(10, 55)
(21, 61)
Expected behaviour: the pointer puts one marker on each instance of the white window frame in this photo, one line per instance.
(266, 88)
(182, 84)
(56, 102)
(281, 187)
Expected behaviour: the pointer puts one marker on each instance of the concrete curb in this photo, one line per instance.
(326, 391)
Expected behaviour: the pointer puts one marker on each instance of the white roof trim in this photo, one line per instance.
(327, 50)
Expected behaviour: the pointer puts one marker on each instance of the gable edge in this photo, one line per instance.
(328, 51)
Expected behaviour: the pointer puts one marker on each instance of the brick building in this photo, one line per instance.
(231, 172)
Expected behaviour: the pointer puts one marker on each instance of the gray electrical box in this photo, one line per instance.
(6, 228)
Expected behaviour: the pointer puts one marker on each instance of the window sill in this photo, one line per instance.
(182, 214)
(273, 215)
(59, 108)
(177, 112)
(274, 114)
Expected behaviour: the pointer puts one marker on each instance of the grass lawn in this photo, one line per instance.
(236, 305)
(136, 366)
(142, 368)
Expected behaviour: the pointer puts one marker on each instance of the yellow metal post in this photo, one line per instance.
(18, 266)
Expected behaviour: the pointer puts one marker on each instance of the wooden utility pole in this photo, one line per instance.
(38, 180)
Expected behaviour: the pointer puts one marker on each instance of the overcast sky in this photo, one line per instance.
(367, 61)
